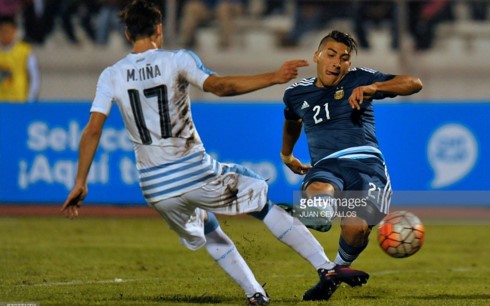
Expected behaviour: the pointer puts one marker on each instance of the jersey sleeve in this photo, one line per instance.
(197, 73)
(289, 113)
(381, 77)
(104, 94)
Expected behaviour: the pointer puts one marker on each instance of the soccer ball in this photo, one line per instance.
(401, 234)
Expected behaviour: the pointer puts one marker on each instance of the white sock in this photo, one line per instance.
(292, 232)
(224, 252)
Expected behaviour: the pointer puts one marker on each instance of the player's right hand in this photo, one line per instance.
(289, 70)
(74, 201)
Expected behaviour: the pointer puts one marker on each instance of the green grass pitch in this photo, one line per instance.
(139, 261)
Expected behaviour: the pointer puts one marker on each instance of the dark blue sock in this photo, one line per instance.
(347, 252)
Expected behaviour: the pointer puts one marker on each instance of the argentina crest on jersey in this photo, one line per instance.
(339, 93)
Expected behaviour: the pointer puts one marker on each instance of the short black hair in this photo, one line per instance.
(140, 18)
(8, 19)
(340, 37)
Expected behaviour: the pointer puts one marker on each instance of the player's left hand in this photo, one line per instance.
(297, 167)
(289, 71)
(74, 201)
(360, 94)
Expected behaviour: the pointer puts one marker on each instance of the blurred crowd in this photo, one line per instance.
(39, 18)
(423, 17)
(28, 23)
(97, 19)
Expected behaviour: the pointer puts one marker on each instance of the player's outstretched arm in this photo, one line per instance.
(237, 85)
(88, 146)
(290, 135)
(400, 85)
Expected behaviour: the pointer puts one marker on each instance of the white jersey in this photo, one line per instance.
(151, 90)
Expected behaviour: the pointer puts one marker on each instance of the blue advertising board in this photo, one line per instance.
(436, 152)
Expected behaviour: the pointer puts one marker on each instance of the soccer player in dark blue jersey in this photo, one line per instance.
(347, 176)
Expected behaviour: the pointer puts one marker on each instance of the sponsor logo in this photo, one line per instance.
(305, 105)
(452, 152)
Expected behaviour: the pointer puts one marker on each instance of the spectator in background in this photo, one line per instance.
(19, 73)
(373, 13)
(424, 16)
(478, 9)
(85, 11)
(63, 11)
(34, 21)
(272, 7)
(10, 7)
(108, 20)
(196, 12)
(313, 15)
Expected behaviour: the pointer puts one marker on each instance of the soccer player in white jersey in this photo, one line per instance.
(178, 178)
(335, 110)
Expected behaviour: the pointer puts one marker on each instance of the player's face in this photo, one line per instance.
(7, 34)
(333, 63)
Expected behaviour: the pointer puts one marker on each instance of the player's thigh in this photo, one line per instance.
(185, 219)
(325, 171)
(236, 191)
(368, 195)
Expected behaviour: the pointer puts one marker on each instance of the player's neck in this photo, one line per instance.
(142, 45)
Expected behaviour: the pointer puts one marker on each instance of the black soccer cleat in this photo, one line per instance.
(330, 280)
(346, 275)
(259, 299)
(322, 291)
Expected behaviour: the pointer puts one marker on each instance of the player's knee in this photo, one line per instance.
(211, 223)
(261, 214)
(315, 188)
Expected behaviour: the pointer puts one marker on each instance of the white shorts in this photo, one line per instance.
(237, 190)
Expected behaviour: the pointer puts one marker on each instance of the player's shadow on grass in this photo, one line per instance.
(207, 299)
(182, 298)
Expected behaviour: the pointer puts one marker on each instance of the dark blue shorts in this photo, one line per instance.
(362, 186)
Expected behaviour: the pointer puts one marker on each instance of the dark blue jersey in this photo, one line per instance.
(332, 127)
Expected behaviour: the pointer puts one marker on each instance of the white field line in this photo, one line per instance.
(129, 280)
(88, 282)
(120, 280)
(386, 272)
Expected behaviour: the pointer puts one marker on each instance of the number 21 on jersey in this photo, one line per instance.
(318, 116)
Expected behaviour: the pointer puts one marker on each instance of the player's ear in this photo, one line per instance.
(159, 35)
(159, 29)
(315, 57)
(126, 33)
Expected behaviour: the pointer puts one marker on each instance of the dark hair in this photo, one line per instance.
(8, 19)
(340, 37)
(140, 18)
